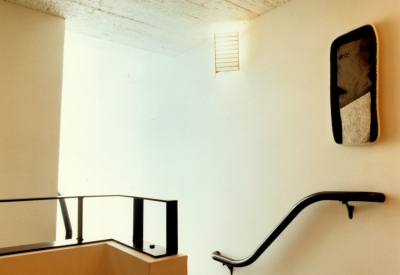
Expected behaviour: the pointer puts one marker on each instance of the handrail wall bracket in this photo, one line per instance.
(343, 197)
(350, 209)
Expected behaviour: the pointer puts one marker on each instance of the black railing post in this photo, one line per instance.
(172, 227)
(67, 222)
(138, 222)
(80, 219)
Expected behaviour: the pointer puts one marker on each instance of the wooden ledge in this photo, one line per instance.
(103, 258)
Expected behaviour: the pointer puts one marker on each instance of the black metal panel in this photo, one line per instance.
(172, 227)
(80, 219)
(137, 222)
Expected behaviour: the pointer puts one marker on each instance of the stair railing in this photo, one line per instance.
(65, 215)
(343, 197)
(156, 251)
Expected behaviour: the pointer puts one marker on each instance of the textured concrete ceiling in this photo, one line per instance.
(168, 27)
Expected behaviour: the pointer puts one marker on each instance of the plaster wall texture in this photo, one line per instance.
(239, 149)
(31, 58)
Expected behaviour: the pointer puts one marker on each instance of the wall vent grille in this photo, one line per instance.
(226, 52)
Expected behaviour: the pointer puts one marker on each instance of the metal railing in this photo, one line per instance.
(65, 215)
(157, 251)
(343, 197)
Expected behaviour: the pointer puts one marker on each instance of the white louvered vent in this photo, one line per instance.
(226, 52)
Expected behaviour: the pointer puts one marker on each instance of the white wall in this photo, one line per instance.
(104, 87)
(31, 56)
(106, 97)
(239, 149)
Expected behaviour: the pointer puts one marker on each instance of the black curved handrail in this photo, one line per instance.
(344, 197)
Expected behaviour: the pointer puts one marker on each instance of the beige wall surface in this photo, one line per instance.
(239, 149)
(31, 58)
